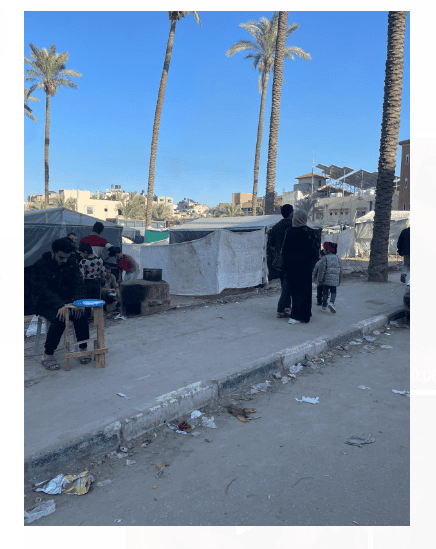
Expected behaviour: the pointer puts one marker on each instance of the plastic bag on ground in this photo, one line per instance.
(363, 387)
(260, 387)
(81, 484)
(46, 508)
(195, 413)
(405, 393)
(311, 400)
(208, 422)
(295, 369)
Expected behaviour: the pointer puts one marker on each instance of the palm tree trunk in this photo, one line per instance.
(259, 142)
(378, 260)
(160, 99)
(46, 146)
(275, 112)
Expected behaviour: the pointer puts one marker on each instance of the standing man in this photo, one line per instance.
(56, 282)
(98, 243)
(275, 242)
(403, 246)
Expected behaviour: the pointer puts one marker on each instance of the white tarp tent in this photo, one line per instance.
(364, 227)
(206, 266)
(345, 241)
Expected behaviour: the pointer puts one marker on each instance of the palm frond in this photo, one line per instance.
(292, 28)
(293, 51)
(197, 17)
(242, 45)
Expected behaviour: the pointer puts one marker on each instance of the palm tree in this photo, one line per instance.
(307, 203)
(28, 97)
(50, 73)
(263, 51)
(62, 202)
(133, 206)
(275, 112)
(161, 212)
(378, 260)
(174, 16)
(38, 204)
(232, 210)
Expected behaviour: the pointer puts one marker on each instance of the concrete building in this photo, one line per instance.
(102, 209)
(305, 182)
(404, 190)
(240, 198)
(346, 209)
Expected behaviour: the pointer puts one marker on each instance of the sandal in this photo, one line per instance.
(50, 363)
(85, 360)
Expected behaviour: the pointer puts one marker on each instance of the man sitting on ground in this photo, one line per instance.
(56, 282)
(98, 243)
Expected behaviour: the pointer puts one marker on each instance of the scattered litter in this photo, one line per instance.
(121, 455)
(185, 427)
(260, 387)
(358, 340)
(206, 306)
(366, 347)
(369, 338)
(122, 395)
(154, 487)
(124, 449)
(33, 328)
(295, 369)
(356, 522)
(197, 434)
(405, 393)
(130, 461)
(358, 440)
(160, 465)
(46, 508)
(311, 400)
(37, 500)
(354, 343)
(325, 355)
(195, 413)
(208, 422)
(318, 361)
(103, 483)
(393, 323)
(292, 375)
(145, 443)
(118, 317)
(173, 427)
(363, 387)
(112, 454)
(347, 356)
(118, 520)
(376, 332)
(386, 347)
(81, 485)
(386, 334)
(285, 380)
(277, 375)
(344, 453)
(54, 486)
(208, 439)
(181, 432)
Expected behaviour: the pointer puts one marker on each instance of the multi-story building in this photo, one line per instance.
(404, 190)
(240, 198)
(100, 208)
(305, 182)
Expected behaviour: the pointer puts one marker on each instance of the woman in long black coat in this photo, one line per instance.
(300, 253)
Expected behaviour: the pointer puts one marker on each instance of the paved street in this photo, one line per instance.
(288, 467)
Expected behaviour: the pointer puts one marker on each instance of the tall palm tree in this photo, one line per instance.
(28, 97)
(174, 16)
(378, 260)
(50, 73)
(263, 51)
(275, 112)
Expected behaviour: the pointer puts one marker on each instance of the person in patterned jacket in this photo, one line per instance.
(93, 272)
(329, 275)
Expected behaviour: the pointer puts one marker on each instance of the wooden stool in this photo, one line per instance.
(99, 349)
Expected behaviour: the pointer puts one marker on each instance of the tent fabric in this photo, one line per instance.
(151, 236)
(364, 229)
(345, 241)
(200, 228)
(41, 227)
(223, 259)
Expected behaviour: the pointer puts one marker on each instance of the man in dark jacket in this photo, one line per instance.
(56, 282)
(403, 246)
(275, 242)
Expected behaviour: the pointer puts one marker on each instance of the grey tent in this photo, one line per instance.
(41, 227)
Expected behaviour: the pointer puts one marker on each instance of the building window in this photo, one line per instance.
(404, 206)
(331, 213)
(89, 210)
(405, 183)
(407, 159)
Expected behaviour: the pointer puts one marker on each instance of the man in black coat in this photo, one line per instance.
(277, 235)
(56, 282)
(403, 246)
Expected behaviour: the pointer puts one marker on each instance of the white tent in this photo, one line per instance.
(364, 228)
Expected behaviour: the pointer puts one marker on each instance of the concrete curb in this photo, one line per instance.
(177, 403)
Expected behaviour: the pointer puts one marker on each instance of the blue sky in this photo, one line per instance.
(100, 134)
